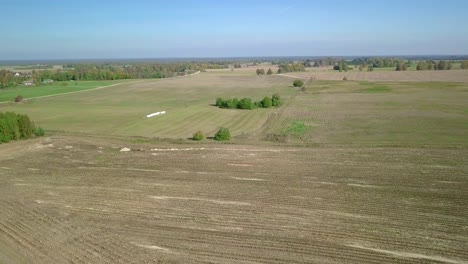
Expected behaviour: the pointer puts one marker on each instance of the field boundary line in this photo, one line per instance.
(98, 88)
(292, 76)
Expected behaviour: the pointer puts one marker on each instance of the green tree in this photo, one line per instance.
(219, 102)
(266, 102)
(298, 83)
(198, 136)
(245, 103)
(25, 126)
(276, 100)
(260, 71)
(223, 134)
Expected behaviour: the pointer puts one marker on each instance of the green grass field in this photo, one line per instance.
(9, 94)
(327, 112)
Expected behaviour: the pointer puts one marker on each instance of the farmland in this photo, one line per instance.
(369, 170)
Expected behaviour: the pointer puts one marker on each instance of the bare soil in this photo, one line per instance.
(80, 200)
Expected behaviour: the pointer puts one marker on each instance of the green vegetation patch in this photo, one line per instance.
(297, 128)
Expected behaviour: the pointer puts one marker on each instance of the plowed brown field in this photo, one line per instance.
(80, 200)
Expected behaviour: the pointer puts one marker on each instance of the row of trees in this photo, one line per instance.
(261, 71)
(247, 103)
(291, 67)
(432, 65)
(16, 126)
(88, 72)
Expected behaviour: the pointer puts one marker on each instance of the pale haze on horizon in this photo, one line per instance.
(53, 29)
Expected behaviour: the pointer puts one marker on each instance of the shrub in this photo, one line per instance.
(245, 103)
(222, 134)
(219, 102)
(275, 100)
(269, 72)
(25, 126)
(345, 78)
(39, 132)
(266, 102)
(18, 99)
(298, 83)
(198, 136)
(9, 129)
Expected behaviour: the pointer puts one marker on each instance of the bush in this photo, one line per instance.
(198, 136)
(298, 83)
(275, 100)
(9, 129)
(266, 102)
(345, 78)
(245, 103)
(39, 132)
(223, 134)
(25, 126)
(18, 99)
(219, 102)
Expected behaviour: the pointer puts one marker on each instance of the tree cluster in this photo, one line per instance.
(223, 134)
(464, 64)
(17, 126)
(261, 71)
(341, 66)
(291, 67)
(247, 103)
(433, 65)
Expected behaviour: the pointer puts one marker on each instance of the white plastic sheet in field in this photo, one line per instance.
(155, 114)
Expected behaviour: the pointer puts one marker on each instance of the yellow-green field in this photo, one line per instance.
(325, 112)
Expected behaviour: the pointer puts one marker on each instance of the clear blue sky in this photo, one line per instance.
(62, 29)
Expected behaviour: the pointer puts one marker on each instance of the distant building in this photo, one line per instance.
(17, 74)
(28, 83)
(47, 81)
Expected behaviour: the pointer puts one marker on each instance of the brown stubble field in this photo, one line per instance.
(79, 200)
(376, 76)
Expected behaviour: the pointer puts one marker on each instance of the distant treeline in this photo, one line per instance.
(94, 72)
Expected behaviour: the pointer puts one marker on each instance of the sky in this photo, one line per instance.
(84, 29)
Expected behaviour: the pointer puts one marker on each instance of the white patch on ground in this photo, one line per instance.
(39, 201)
(203, 172)
(247, 179)
(328, 183)
(22, 184)
(124, 149)
(182, 171)
(145, 170)
(176, 149)
(152, 247)
(200, 200)
(410, 255)
(155, 114)
(363, 185)
(239, 165)
(5, 168)
(33, 169)
(449, 182)
(441, 166)
(68, 147)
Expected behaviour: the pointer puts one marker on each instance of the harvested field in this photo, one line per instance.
(184, 204)
(405, 76)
